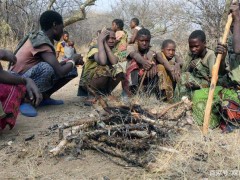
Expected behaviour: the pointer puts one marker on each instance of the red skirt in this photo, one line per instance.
(11, 97)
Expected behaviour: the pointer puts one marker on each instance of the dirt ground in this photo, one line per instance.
(197, 158)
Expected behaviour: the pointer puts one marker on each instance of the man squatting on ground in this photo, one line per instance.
(36, 59)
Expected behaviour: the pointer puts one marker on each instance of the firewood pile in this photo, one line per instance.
(130, 133)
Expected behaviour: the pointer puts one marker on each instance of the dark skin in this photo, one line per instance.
(65, 37)
(34, 95)
(61, 69)
(115, 28)
(105, 56)
(198, 49)
(134, 36)
(143, 43)
(222, 49)
(169, 52)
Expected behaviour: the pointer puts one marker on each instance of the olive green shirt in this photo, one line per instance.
(203, 65)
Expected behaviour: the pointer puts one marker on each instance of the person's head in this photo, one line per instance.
(65, 36)
(111, 39)
(117, 24)
(71, 43)
(52, 21)
(143, 39)
(197, 42)
(134, 22)
(169, 48)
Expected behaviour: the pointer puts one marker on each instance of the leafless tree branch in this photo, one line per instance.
(80, 15)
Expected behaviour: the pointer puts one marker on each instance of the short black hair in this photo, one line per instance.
(136, 20)
(119, 23)
(143, 32)
(199, 34)
(48, 18)
(166, 42)
(65, 32)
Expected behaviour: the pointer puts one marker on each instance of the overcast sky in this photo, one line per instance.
(103, 5)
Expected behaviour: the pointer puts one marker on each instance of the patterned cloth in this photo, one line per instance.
(135, 72)
(10, 100)
(121, 46)
(92, 70)
(44, 76)
(165, 81)
(133, 66)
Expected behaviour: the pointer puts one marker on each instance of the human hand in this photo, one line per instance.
(177, 71)
(33, 92)
(102, 37)
(78, 59)
(192, 86)
(221, 49)
(8, 56)
(152, 71)
(146, 64)
(193, 64)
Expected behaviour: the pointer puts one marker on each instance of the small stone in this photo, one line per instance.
(9, 143)
(91, 115)
(70, 158)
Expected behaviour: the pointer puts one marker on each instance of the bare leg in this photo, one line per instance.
(112, 83)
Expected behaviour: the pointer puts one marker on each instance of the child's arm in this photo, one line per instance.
(164, 62)
(172, 69)
(111, 57)
(145, 63)
(101, 56)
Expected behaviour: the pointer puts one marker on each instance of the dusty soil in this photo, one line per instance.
(198, 157)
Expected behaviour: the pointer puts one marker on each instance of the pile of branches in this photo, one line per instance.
(127, 132)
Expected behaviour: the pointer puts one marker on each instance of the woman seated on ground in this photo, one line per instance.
(170, 68)
(13, 91)
(101, 72)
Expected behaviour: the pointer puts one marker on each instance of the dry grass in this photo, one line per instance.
(198, 158)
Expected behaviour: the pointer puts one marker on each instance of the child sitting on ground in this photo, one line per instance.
(197, 68)
(101, 72)
(170, 68)
(142, 60)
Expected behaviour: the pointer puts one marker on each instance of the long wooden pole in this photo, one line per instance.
(214, 79)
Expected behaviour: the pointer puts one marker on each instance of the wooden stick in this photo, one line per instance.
(168, 108)
(143, 77)
(55, 151)
(214, 79)
(141, 83)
